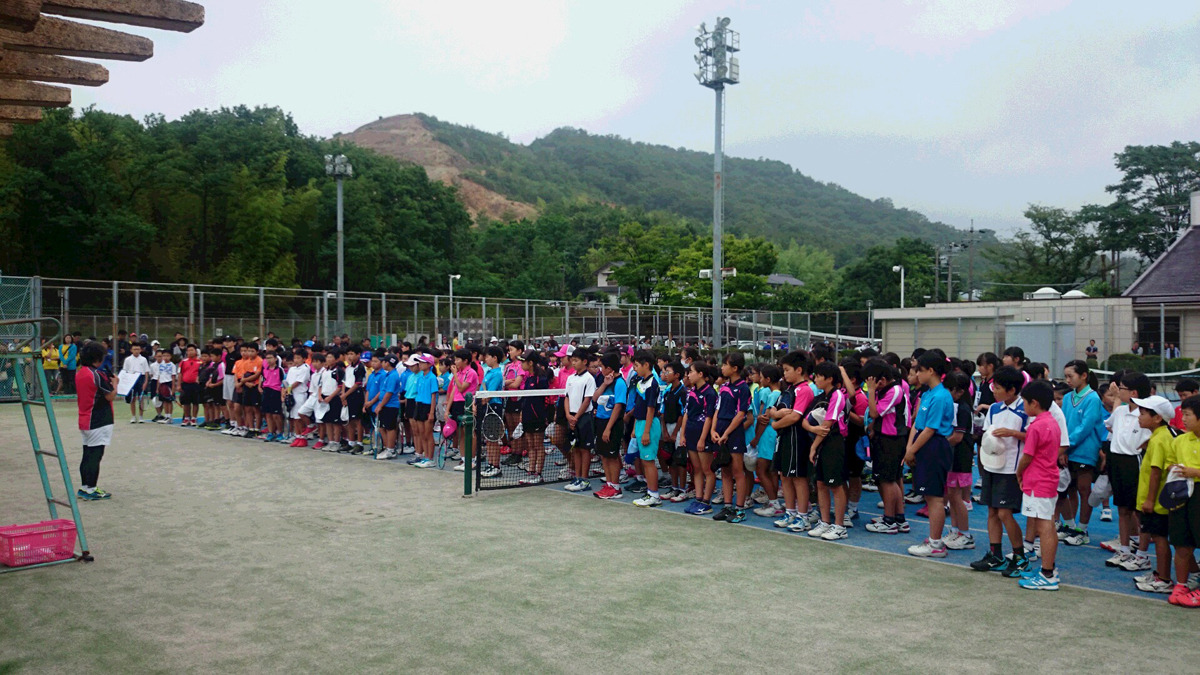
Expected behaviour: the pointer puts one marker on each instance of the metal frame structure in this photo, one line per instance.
(34, 356)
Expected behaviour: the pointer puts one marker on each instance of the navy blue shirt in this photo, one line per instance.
(645, 398)
(733, 399)
(701, 404)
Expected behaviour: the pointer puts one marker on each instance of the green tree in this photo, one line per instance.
(1058, 249)
(871, 276)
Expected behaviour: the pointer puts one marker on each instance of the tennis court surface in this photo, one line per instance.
(222, 554)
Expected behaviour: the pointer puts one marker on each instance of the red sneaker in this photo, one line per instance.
(604, 492)
(1190, 599)
(301, 442)
(923, 512)
(318, 445)
(505, 450)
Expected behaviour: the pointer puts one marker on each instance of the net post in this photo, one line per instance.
(468, 425)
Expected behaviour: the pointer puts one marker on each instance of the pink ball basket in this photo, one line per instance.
(42, 542)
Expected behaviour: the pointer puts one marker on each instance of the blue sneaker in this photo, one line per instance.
(415, 459)
(702, 510)
(690, 509)
(1036, 581)
(738, 516)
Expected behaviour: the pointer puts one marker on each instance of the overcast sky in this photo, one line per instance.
(957, 109)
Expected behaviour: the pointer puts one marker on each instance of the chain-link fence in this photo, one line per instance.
(197, 311)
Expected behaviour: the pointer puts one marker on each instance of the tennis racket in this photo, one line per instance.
(376, 439)
(493, 425)
(442, 451)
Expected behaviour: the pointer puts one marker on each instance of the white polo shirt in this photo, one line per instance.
(578, 387)
(1127, 434)
(1002, 416)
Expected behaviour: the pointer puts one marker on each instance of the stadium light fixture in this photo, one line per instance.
(718, 68)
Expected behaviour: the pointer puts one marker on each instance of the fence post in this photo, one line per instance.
(383, 318)
(567, 321)
(467, 420)
(317, 319)
(368, 317)
(433, 336)
(191, 327)
(790, 341)
(66, 308)
(837, 329)
(808, 327)
(114, 322)
(525, 322)
(137, 311)
(262, 312)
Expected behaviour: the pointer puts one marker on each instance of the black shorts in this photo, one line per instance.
(189, 393)
(560, 412)
(1076, 468)
(272, 401)
(1123, 476)
(410, 408)
(691, 439)
(933, 465)
(791, 453)
(737, 439)
(1183, 524)
(354, 404)
(613, 446)
(251, 397)
(964, 457)
(389, 418)
(1153, 524)
(1000, 491)
(887, 458)
(830, 468)
(421, 412)
(457, 408)
(583, 436)
(334, 414)
(854, 465)
(237, 396)
(679, 456)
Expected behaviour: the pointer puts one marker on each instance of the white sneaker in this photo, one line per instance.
(461, 466)
(1155, 585)
(759, 496)
(768, 510)
(785, 521)
(834, 533)
(1193, 581)
(926, 550)
(959, 542)
(574, 486)
(648, 501)
(819, 531)
(813, 517)
(566, 473)
(879, 505)
(387, 453)
(1136, 563)
(1106, 515)
(1144, 578)
(799, 524)
(489, 472)
(1117, 559)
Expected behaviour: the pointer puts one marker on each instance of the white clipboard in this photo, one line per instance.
(125, 382)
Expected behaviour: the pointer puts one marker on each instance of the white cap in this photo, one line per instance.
(412, 360)
(1158, 404)
(991, 452)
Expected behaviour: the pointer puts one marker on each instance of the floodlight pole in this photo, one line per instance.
(339, 167)
(718, 299)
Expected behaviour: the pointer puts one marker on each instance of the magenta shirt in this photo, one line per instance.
(467, 375)
(1041, 443)
(272, 378)
(893, 402)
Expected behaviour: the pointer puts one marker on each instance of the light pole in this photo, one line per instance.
(339, 167)
(717, 68)
(452, 278)
(900, 269)
(971, 241)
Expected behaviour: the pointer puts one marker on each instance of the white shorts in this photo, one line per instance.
(297, 410)
(230, 384)
(319, 410)
(1038, 507)
(306, 408)
(101, 436)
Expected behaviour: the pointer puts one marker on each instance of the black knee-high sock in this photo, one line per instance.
(89, 466)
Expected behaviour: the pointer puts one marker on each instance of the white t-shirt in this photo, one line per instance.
(136, 364)
(329, 383)
(314, 382)
(579, 387)
(1002, 416)
(1057, 413)
(1127, 434)
(164, 371)
(298, 375)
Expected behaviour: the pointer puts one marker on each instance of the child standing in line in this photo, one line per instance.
(534, 416)
(298, 378)
(646, 429)
(733, 404)
(929, 451)
(136, 364)
(887, 405)
(272, 396)
(373, 387)
(189, 386)
(763, 438)
(828, 454)
(1006, 422)
(673, 453)
(210, 388)
(1154, 414)
(699, 411)
(329, 408)
(163, 376)
(580, 387)
(960, 477)
(1038, 477)
(95, 392)
(610, 399)
(791, 453)
(387, 409)
(353, 398)
(1183, 524)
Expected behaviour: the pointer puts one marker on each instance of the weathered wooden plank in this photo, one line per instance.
(17, 114)
(20, 15)
(175, 15)
(68, 38)
(17, 92)
(49, 68)
(5, 130)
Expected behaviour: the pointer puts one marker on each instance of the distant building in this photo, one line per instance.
(605, 290)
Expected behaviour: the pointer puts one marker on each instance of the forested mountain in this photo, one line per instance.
(763, 197)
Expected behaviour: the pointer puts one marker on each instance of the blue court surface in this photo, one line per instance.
(1078, 566)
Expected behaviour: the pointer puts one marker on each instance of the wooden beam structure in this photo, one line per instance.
(49, 68)
(173, 15)
(35, 43)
